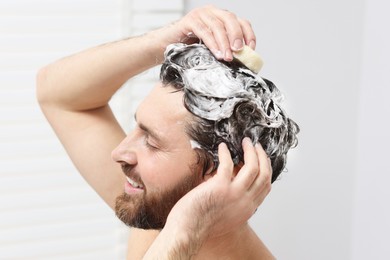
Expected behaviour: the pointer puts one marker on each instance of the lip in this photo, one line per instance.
(129, 189)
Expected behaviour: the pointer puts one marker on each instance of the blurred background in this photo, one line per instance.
(329, 57)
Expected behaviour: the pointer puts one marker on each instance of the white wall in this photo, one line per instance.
(331, 59)
(371, 222)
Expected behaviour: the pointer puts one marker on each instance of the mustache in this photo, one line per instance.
(129, 171)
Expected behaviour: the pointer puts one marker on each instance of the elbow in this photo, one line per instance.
(42, 87)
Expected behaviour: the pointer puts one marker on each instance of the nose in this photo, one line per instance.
(125, 152)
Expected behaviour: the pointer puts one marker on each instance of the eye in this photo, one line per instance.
(150, 146)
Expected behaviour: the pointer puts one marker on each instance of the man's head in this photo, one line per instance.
(158, 160)
(174, 146)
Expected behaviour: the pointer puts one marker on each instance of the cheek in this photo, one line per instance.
(164, 170)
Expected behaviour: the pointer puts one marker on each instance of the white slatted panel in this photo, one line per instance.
(46, 209)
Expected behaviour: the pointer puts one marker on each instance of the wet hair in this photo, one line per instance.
(229, 102)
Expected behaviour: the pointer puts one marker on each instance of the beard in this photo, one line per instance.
(150, 211)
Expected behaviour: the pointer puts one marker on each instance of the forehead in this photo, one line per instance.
(163, 111)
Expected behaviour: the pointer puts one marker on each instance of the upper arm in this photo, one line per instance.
(89, 137)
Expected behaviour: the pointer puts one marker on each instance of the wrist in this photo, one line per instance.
(186, 241)
(171, 243)
(157, 45)
(177, 240)
(164, 36)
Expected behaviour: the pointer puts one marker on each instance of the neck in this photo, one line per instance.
(241, 243)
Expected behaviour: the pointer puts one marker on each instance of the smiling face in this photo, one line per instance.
(157, 159)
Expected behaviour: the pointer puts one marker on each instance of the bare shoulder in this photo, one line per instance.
(139, 242)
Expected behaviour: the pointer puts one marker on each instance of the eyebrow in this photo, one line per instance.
(146, 129)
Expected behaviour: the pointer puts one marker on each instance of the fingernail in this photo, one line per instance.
(247, 140)
(237, 45)
(252, 44)
(222, 144)
(218, 54)
(228, 55)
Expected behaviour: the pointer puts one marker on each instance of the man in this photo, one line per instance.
(184, 197)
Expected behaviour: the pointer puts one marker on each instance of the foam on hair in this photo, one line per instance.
(229, 102)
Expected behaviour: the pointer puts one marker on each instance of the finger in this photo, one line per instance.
(233, 29)
(264, 162)
(259, 198)
(265, 174)
(249, 34)
(218, 29)
(204, 33)
(250, 170)
(226, 164)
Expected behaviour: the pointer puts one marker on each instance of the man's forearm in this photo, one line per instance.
(88, 79)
